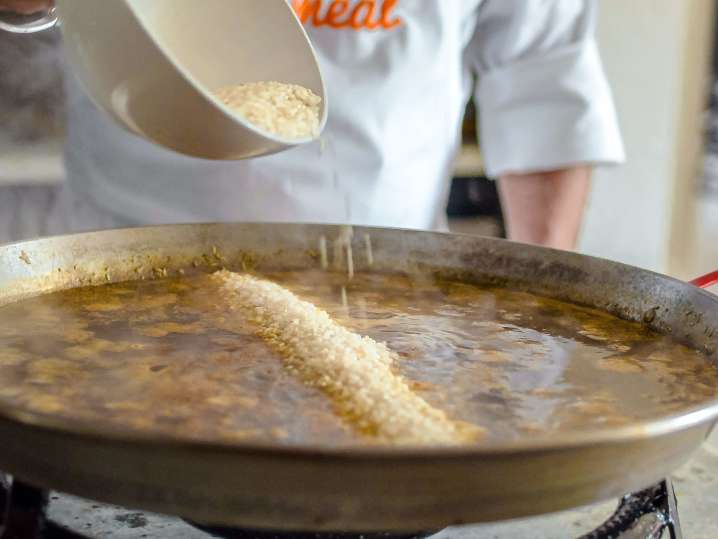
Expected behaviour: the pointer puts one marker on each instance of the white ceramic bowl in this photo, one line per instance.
(153, 65)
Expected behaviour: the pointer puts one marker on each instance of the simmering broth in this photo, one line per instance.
(157, 356)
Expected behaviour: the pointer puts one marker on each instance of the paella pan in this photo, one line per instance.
(301, 377)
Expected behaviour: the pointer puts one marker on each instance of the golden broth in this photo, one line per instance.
(152, 356)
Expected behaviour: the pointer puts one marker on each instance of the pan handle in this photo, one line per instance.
(706, 280)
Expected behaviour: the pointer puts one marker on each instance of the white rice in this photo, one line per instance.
(288, 110)
(369, 253)
(324, 260)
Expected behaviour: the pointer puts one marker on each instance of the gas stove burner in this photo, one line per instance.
(647, 513)
(229, 533)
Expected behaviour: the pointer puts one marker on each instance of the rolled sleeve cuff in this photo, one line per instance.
(548, 114)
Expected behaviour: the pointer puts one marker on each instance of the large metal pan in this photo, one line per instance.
(352, 489)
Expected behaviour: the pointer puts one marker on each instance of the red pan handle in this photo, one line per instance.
(706, 280)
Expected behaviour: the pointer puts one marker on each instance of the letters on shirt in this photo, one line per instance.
(361, 15)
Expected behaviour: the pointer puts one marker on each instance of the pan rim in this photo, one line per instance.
(634, 432)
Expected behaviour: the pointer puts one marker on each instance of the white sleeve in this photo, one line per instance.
(542, 96)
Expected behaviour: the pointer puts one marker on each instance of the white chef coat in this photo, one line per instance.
(396, 96)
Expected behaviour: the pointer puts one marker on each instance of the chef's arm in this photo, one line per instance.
(25, 7)
(545, 208)
(544, 105)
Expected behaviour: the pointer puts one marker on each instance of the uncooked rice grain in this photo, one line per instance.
(355, 371)
(288, 110)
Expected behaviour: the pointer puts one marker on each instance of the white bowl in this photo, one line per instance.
(153, 65)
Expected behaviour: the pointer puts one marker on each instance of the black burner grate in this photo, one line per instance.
(647, 514)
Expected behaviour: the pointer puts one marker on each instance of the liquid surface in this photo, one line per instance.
(158, 357)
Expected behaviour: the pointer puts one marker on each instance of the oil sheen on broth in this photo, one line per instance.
(155, 356)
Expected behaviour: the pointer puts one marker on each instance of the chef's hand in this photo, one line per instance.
(25, 7)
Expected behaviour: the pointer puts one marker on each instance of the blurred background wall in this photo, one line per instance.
(658, 57)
